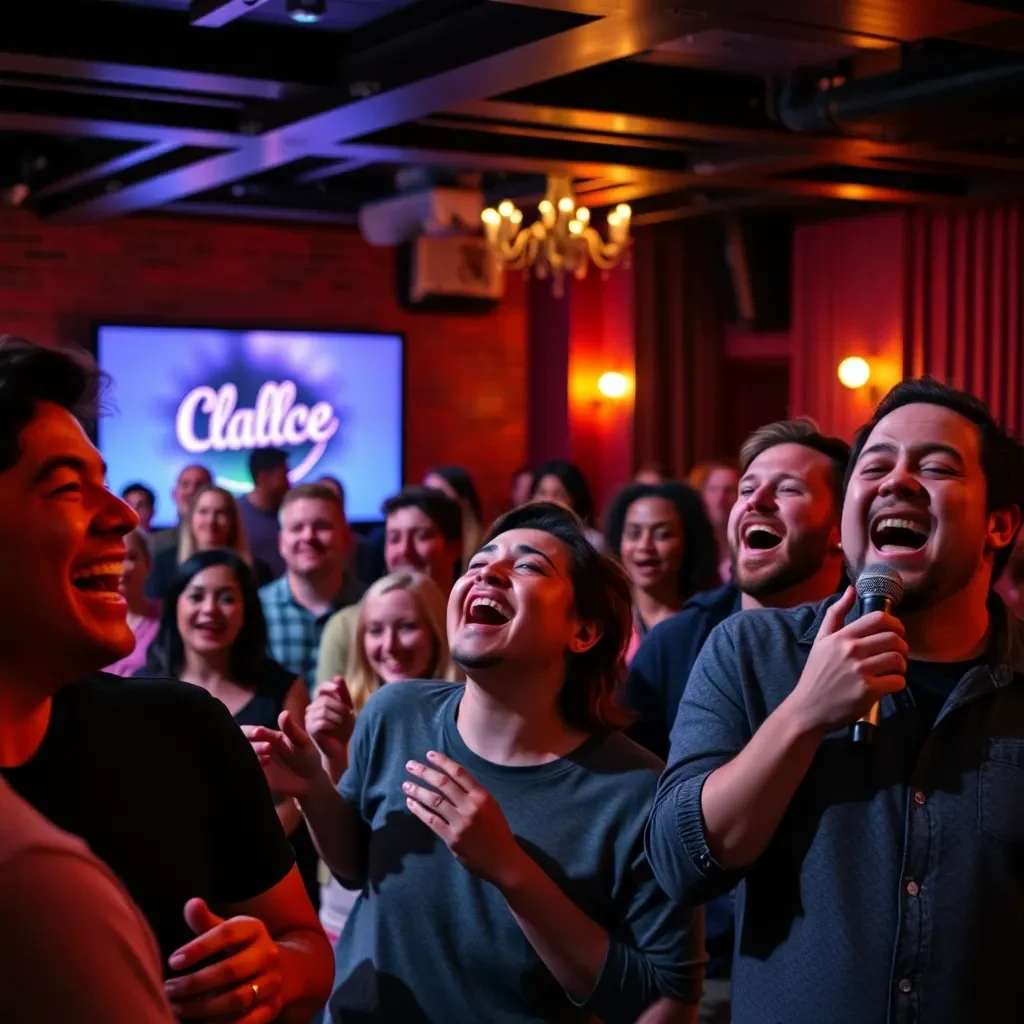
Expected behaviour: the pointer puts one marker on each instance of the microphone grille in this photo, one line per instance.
(880, 580)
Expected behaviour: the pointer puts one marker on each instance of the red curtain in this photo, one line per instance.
(680, 348)
(963, 303)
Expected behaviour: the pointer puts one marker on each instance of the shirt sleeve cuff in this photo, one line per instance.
(690, 826)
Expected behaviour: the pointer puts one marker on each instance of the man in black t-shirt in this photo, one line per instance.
(154, 775)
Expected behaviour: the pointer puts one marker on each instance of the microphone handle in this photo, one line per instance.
(862, 732)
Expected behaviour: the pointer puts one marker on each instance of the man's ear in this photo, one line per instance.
(1002, 526)
(586, 636)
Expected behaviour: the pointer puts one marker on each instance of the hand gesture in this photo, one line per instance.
(243, 986)
(851, 667)
(330, 720)
(465, 816)
(289, 758)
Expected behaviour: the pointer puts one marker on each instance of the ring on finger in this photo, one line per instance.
(255, 994)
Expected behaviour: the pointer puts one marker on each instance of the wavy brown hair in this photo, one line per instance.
(589, 699)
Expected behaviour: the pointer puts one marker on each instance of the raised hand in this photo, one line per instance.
(850, 667)
(242, 987)
(289, 758)
(330, 719)
(466, 817)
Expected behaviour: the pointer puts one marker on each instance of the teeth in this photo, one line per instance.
(100, 569)
(486, 602)
(901, 524)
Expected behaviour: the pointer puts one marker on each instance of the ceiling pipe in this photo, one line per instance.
(830, 109)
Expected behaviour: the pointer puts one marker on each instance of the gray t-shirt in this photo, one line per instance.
(428, 941)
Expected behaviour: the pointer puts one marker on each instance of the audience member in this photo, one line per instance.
(153, 775)
(563, 483)
(260, 508)
(73, 947)
(213, 521)
(664, 539)
(1010, 585)
(513, 805)
(400, 634)
(864, 867)
(422, 533)
(143, 614)
(522, 487)
(189, 481)
(458, 485)
(359, 563)
(143, 503)
(651, 473)
(314, 542)
(213, 635)
(717, 482)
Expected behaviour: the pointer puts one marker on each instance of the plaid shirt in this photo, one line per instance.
(293, 631)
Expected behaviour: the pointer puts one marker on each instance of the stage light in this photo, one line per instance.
(854, 372)
(306, 12)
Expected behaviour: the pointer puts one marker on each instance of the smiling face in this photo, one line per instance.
(783, 524)
(917, 499)
(314, 535)
(210, 611)
(62, 554)
(652, 544)
(190, 479)
(397, 638)
(515, 605)
(213, 521)
(719, 494)
(412, 540)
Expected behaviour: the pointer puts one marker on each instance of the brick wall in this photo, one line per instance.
(465, 375)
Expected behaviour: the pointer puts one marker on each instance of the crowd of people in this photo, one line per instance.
(527, 771)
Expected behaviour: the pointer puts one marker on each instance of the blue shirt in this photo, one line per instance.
(893, 889)
(429, 941)
(294, 632)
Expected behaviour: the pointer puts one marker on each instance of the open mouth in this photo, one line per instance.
(100, 580)
(483, 611)
(895, 535)
(761, 537)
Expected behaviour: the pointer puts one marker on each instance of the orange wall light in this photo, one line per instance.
(612, 385)
(854, 372)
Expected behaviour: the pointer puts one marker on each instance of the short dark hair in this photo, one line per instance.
(1002, 456)
(30, 374)
(142, 489)
(266, 460)
(573, 480)
(439, 508)
(590, 697)
(462, 484)
(318, 492)
(699, 570)
(249, 656)
(802, 431)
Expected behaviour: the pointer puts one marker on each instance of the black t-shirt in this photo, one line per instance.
(161, 783)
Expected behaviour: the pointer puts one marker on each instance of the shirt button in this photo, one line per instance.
(705, 861)
(913, 888)
(905, 986)
(919, 797)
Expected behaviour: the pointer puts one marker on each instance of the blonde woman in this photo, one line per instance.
(213, 521)
(143, 614)
(401, 634)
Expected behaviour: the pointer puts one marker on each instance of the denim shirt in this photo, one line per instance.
(893, 889)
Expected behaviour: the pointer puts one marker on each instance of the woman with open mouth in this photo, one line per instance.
(665, 541)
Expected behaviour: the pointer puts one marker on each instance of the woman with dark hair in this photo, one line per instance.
(495, 829)
(563, 483)
(458, 485)
(664, 539)
(213, 634)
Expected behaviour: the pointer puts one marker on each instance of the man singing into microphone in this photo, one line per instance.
(880, 882)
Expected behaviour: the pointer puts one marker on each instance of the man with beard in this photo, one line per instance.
(880, 881)
(783, 535)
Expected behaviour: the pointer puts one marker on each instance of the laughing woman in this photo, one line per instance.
(495, 829)
(662, 535)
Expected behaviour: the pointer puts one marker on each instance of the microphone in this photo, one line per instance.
(880, 589)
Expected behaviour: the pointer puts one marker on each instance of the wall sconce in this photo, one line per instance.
(612, 385)
(854, 372)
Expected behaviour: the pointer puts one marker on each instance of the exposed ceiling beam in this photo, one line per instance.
(129, 131)
(701, 209)
(332, 170)
(214, 13)
(585, 46)
(116, 165)
(110, 73)
(194, 208)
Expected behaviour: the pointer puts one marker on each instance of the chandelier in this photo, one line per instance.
(561, 241)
